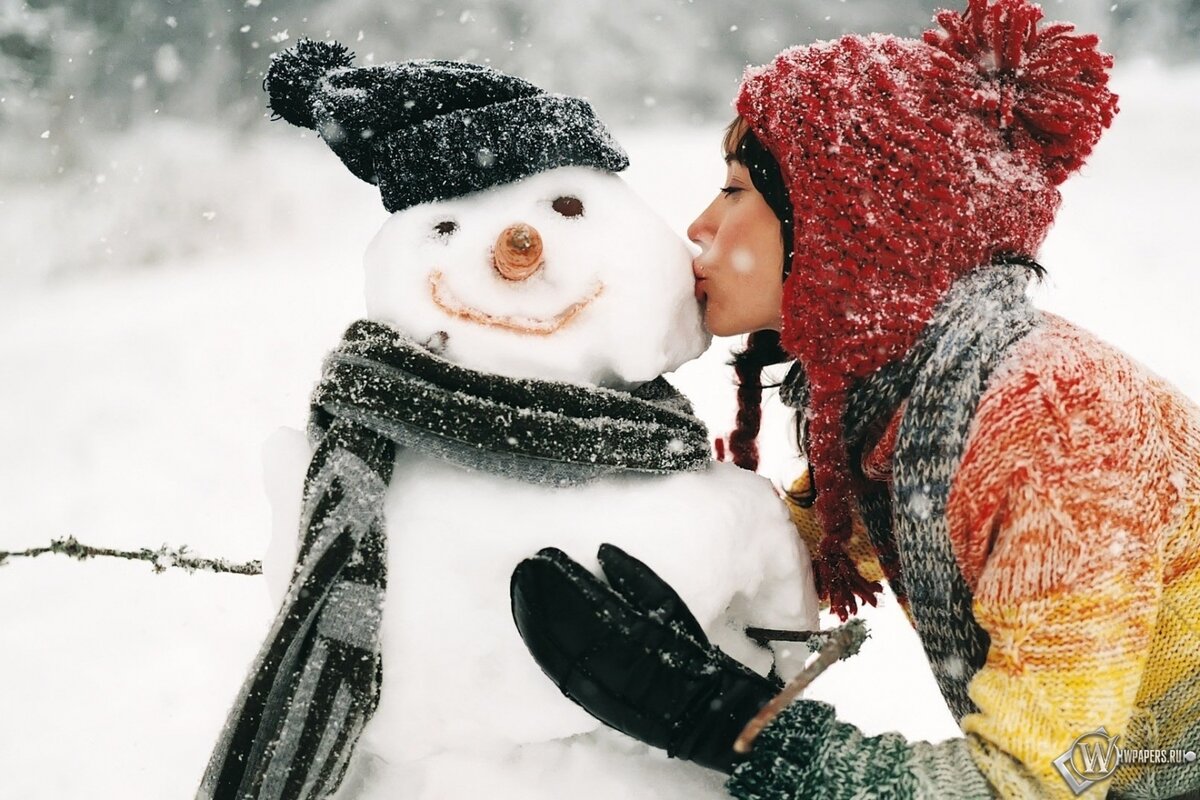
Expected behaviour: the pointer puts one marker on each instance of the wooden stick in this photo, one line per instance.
(843, 641)
(764, 635)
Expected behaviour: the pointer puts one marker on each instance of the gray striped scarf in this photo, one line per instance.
(315, 681)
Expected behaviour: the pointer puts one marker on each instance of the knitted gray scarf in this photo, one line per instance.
(943, 378)
(315, 682)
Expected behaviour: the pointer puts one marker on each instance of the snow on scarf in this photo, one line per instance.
(315, 682)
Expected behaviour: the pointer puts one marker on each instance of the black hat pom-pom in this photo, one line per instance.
(293, 76)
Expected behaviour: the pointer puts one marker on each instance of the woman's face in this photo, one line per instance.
(739, 272)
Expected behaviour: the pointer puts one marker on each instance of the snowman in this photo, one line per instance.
(503, 394)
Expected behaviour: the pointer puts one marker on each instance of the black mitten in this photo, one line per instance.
(631, 654)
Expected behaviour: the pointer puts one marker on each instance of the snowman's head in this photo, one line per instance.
(563, 275)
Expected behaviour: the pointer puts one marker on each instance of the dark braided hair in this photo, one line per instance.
(762, 347)
(762, 350)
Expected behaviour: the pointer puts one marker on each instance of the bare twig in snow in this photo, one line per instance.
(160, 560)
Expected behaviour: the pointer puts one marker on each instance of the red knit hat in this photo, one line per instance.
(910, 162)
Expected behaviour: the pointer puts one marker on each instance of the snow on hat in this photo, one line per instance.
(909, 163)
(427, 130)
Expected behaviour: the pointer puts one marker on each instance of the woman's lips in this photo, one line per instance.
(699, 288)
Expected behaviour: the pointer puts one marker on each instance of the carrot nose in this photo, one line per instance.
(518, 252)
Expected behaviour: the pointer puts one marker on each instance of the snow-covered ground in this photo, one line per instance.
(135, 402)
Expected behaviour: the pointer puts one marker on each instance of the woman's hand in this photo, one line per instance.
(631, 654)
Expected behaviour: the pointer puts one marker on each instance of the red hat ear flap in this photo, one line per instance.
(838, 579)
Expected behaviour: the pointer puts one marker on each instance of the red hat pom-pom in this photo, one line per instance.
(1047, 88)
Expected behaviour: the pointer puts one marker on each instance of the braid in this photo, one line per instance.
(762, 350)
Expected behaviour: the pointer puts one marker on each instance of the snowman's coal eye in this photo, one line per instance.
(568, 206)
(446, 227)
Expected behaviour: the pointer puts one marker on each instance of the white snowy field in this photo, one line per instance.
(135, 402)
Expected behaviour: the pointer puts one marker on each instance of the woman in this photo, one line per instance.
(1031, 495)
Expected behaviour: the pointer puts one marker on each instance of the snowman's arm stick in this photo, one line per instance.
(841, 642)
(764, 635)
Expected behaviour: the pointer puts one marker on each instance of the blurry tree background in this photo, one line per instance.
(72, 67)
(74, 74)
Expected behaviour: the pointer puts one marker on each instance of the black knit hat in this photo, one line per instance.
(431, 130)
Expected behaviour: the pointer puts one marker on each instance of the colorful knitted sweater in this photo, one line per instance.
(1074, 519)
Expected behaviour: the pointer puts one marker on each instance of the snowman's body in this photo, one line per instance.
(464, 710)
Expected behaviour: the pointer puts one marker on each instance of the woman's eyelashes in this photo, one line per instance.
(729, 191)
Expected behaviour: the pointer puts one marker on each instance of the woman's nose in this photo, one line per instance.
(703, 229)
